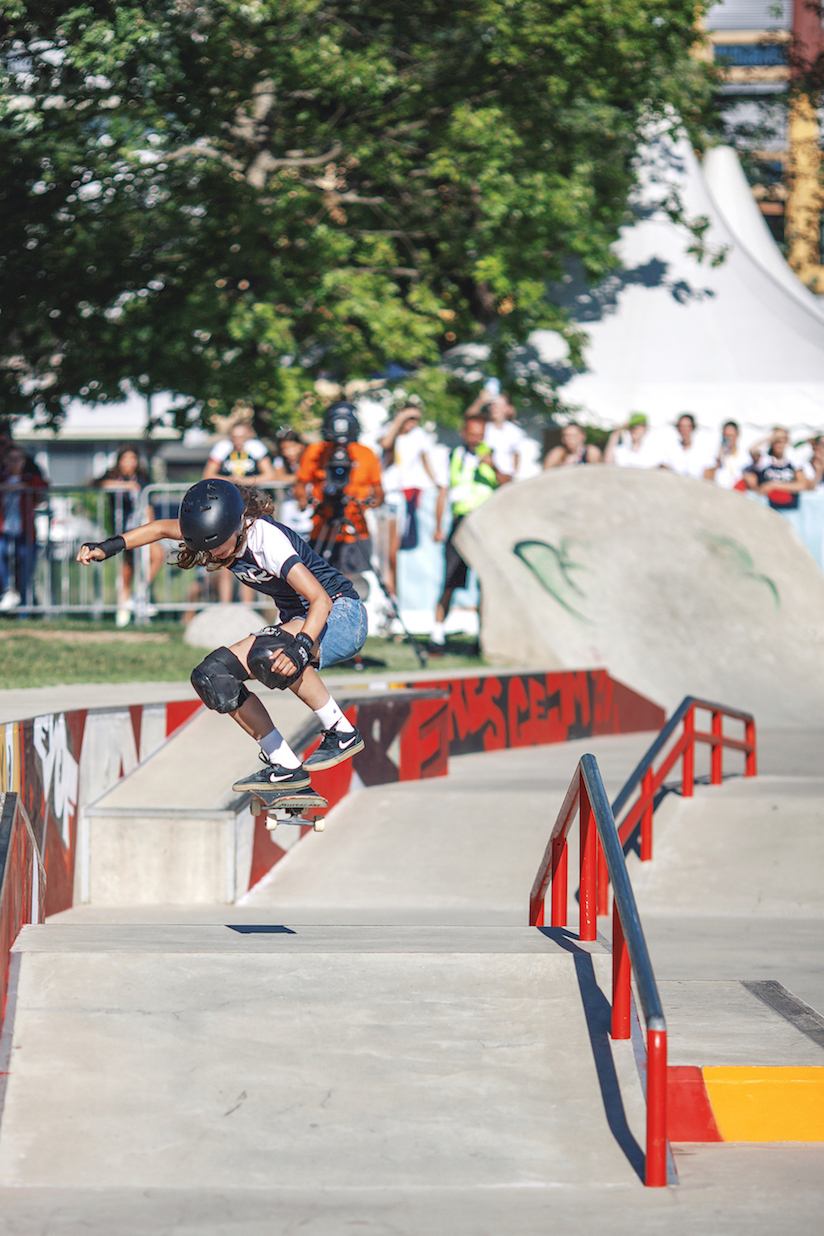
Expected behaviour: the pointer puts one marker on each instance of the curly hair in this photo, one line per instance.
(255, 503)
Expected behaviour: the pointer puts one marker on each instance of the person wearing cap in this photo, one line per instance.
(628, 446)
(322, 622)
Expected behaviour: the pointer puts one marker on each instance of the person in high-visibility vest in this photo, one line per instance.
(472, 479)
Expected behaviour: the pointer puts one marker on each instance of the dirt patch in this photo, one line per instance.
(89, 637)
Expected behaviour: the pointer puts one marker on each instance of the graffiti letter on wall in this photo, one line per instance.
(59, 769)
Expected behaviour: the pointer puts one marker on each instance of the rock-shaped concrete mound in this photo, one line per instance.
(675, 586)
(223, 625)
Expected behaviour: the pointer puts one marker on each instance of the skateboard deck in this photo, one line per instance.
(304, 807)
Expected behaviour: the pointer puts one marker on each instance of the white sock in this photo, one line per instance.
(331, 718)
(437, 636)
(277, 750)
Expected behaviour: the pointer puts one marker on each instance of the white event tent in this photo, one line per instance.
(742, 340)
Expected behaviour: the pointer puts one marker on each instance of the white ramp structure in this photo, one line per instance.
(675, 586)
(668, 332)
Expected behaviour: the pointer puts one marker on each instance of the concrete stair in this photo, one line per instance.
(247, 1056)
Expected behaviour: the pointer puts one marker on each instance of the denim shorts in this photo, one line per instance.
(344, 633)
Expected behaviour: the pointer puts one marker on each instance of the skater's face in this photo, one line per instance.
(227, 550)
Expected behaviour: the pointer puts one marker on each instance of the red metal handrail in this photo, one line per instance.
(601, 850)
(651, 779)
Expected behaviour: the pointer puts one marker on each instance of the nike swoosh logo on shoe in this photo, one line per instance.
(282, 777)
(343, 745)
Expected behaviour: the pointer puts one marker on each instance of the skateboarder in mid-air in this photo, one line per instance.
(322, 623)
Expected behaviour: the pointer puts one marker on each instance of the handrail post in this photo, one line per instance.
(602, 880)
(560, 853)
(688, 758)
(655, 1173)
(717, 753)
(621, 974)
(646, 816)
(588, 923)
(750, 766)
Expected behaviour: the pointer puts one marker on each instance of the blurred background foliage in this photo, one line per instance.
(232, 199)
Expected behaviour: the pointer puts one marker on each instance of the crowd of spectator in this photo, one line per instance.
(770, 466)
(406, 461)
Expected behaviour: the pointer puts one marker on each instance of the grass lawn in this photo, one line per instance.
(48, 654)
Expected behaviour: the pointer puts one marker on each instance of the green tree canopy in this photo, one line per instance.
(226, 199)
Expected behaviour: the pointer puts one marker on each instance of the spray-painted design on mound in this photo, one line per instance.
(739, 560)
(552, 568)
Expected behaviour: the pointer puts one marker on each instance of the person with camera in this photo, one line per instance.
(341, 477)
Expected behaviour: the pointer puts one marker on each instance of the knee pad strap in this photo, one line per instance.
(220, 681)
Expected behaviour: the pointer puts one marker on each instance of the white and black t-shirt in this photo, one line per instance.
(235, 463)
(270, 552)
(769, 468)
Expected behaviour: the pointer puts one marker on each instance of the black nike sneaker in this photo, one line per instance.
(335, 747)
(273, 777)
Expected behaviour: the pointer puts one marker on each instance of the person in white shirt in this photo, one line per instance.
(244, 460)
(241, 458)
(629, 445)
(686, 455)
(728, 469)
(504, 438)
(407, 471)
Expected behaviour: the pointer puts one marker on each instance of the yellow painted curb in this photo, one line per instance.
(767, 1104)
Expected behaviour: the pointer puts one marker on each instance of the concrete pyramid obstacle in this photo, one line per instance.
(675, 586)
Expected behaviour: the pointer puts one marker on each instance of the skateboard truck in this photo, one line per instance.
(305, 808)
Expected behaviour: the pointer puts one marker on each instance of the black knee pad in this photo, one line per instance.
(220, 681)
(260, 663)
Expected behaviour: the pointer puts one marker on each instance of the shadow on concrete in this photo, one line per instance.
(598, 1014)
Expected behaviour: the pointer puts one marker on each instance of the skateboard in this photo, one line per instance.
(304, 807)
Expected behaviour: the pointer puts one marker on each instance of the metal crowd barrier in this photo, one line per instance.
(42, 529)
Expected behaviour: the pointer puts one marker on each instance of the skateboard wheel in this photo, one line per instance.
(272, 822)
(320, 824)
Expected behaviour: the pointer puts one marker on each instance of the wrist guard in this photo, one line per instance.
(111, 546)
(268, 643)
(302, 648)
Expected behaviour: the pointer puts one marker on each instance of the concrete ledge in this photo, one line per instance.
(140, 858)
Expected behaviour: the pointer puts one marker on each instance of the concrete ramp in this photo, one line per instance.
(675, 586)
(747, 847)
(267, 1056)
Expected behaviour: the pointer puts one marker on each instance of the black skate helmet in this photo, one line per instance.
(210, 513)
(340, 423)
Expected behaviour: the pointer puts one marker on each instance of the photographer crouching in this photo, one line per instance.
(340, 476)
